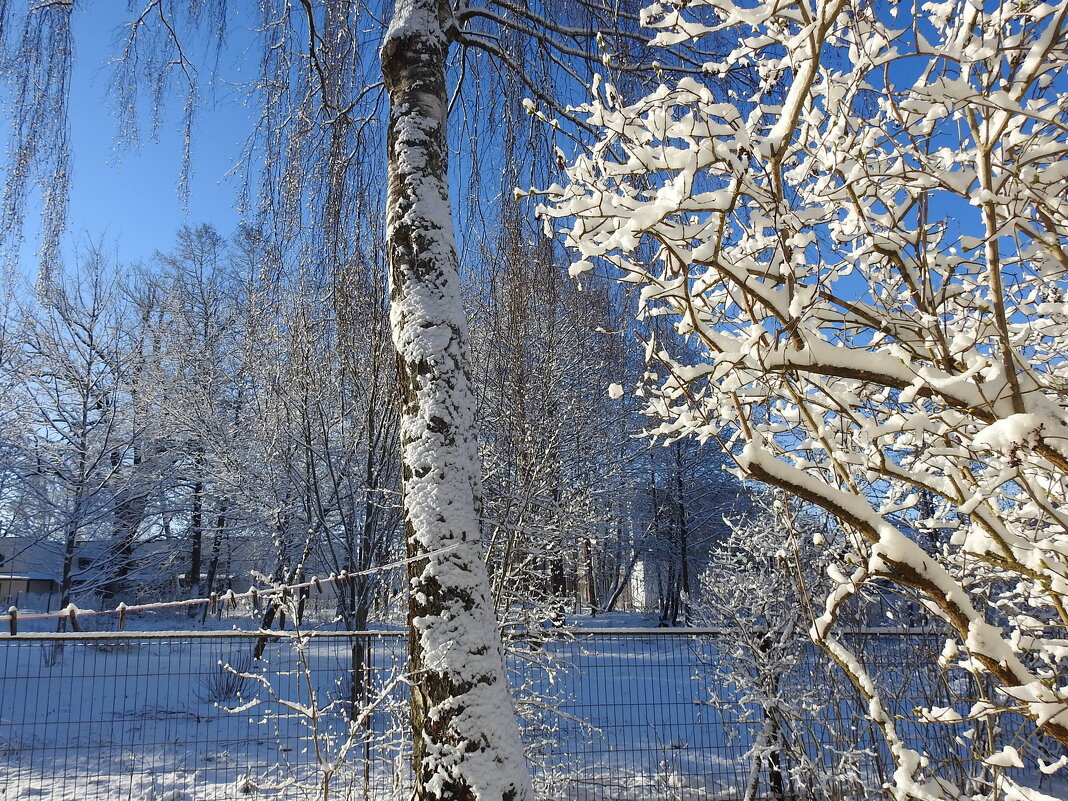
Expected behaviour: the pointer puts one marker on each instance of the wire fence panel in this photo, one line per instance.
(607, 715)
(186, 717)
(620, 716)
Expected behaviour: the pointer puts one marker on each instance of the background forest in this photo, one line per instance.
(171, 427)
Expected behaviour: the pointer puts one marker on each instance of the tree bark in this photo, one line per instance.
(466, 739)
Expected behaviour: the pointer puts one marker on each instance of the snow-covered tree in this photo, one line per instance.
(466, 735)
(868, 256)
(76, 439)
(204, 335)
(317, 144)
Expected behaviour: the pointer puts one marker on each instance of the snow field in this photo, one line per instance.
(606, 716)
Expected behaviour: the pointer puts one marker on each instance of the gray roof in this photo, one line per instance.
(27, 577)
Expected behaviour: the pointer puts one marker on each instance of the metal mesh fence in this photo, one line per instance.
(650, 714)
(686, 715)
(172, 717)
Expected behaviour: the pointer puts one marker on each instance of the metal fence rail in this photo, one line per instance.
(610, 714)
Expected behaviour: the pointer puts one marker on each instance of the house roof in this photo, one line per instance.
(26, 577)
(27, 556)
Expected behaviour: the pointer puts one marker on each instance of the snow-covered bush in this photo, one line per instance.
(752, 592)
(805, 722)
(867, 260)
(312, 692)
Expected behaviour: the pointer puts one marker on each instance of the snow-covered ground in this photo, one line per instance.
(155, 719)
(610, 716)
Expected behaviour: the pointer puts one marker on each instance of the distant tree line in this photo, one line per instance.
(213, 412)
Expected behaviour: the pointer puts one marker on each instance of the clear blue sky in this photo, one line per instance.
(129, 198)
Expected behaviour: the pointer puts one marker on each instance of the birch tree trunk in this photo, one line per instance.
(466, 739)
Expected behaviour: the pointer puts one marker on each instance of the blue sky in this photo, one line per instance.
(126, 198)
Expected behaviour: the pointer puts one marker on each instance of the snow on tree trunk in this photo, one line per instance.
(466, 739)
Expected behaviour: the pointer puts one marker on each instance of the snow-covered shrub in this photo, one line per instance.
(807, 725)
(310, 692)
(754, 591)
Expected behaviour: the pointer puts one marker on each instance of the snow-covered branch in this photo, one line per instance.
(865, 261)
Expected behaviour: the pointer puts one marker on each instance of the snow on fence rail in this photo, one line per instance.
(608, 714)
